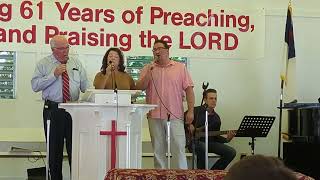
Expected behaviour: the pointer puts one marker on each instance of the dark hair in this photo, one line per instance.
(259, 167)
(165, 44)
(205, 94)
(105, 60)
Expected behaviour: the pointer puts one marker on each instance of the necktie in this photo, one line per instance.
(65, 87)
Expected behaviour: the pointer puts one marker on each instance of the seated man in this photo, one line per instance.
(215, 143)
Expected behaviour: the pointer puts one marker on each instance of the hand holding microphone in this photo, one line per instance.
(151, 67)
(60, 69)
(111, 64)
(155, 61)
(110, 68)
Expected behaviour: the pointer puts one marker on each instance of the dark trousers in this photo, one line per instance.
(226, 153)
(60, 130)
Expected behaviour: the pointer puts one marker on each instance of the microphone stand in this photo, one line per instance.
(113, 79)
(206, 140)
(168, 141)
(115, 91)
(204, 87)
(128, 152)
(48, 173)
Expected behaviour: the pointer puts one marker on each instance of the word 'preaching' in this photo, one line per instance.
(157, 14)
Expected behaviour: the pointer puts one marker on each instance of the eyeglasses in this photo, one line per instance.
(62, 48)
(158, 49)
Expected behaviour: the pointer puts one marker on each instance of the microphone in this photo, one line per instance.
(113, 78)
(111, 63)
(205, 86)
(156, 60)
(66, 60)
(151, 66)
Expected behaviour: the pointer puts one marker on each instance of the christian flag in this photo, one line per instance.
(289, 40)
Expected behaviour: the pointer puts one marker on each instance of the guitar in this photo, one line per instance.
(211, 133)
(200, 133)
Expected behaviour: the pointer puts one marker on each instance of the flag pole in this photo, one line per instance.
(289, 39)
(280, 118)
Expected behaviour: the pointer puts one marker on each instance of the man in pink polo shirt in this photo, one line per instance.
(165, 82)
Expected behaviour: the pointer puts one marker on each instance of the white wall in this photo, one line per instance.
(245, 87)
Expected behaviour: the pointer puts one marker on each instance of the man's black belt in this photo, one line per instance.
(50, 104)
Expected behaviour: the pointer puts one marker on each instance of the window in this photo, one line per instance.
(136, 63)
(7, 74)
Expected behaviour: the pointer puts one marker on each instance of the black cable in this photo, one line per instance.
(161, 99)
(37, 158)
(42, 158)
(34, 159)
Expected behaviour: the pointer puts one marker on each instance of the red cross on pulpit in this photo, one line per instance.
(113, 133)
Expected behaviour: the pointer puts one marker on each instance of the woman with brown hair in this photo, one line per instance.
(112, 74)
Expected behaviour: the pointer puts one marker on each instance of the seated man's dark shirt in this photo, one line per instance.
(214, 123)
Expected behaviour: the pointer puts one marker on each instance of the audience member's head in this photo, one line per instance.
(259, 167)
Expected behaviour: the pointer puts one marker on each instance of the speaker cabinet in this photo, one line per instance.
(37, 173)
(302, 157)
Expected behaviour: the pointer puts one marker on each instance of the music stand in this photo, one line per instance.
(255, 126)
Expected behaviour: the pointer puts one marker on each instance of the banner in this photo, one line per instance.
(194, 29)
